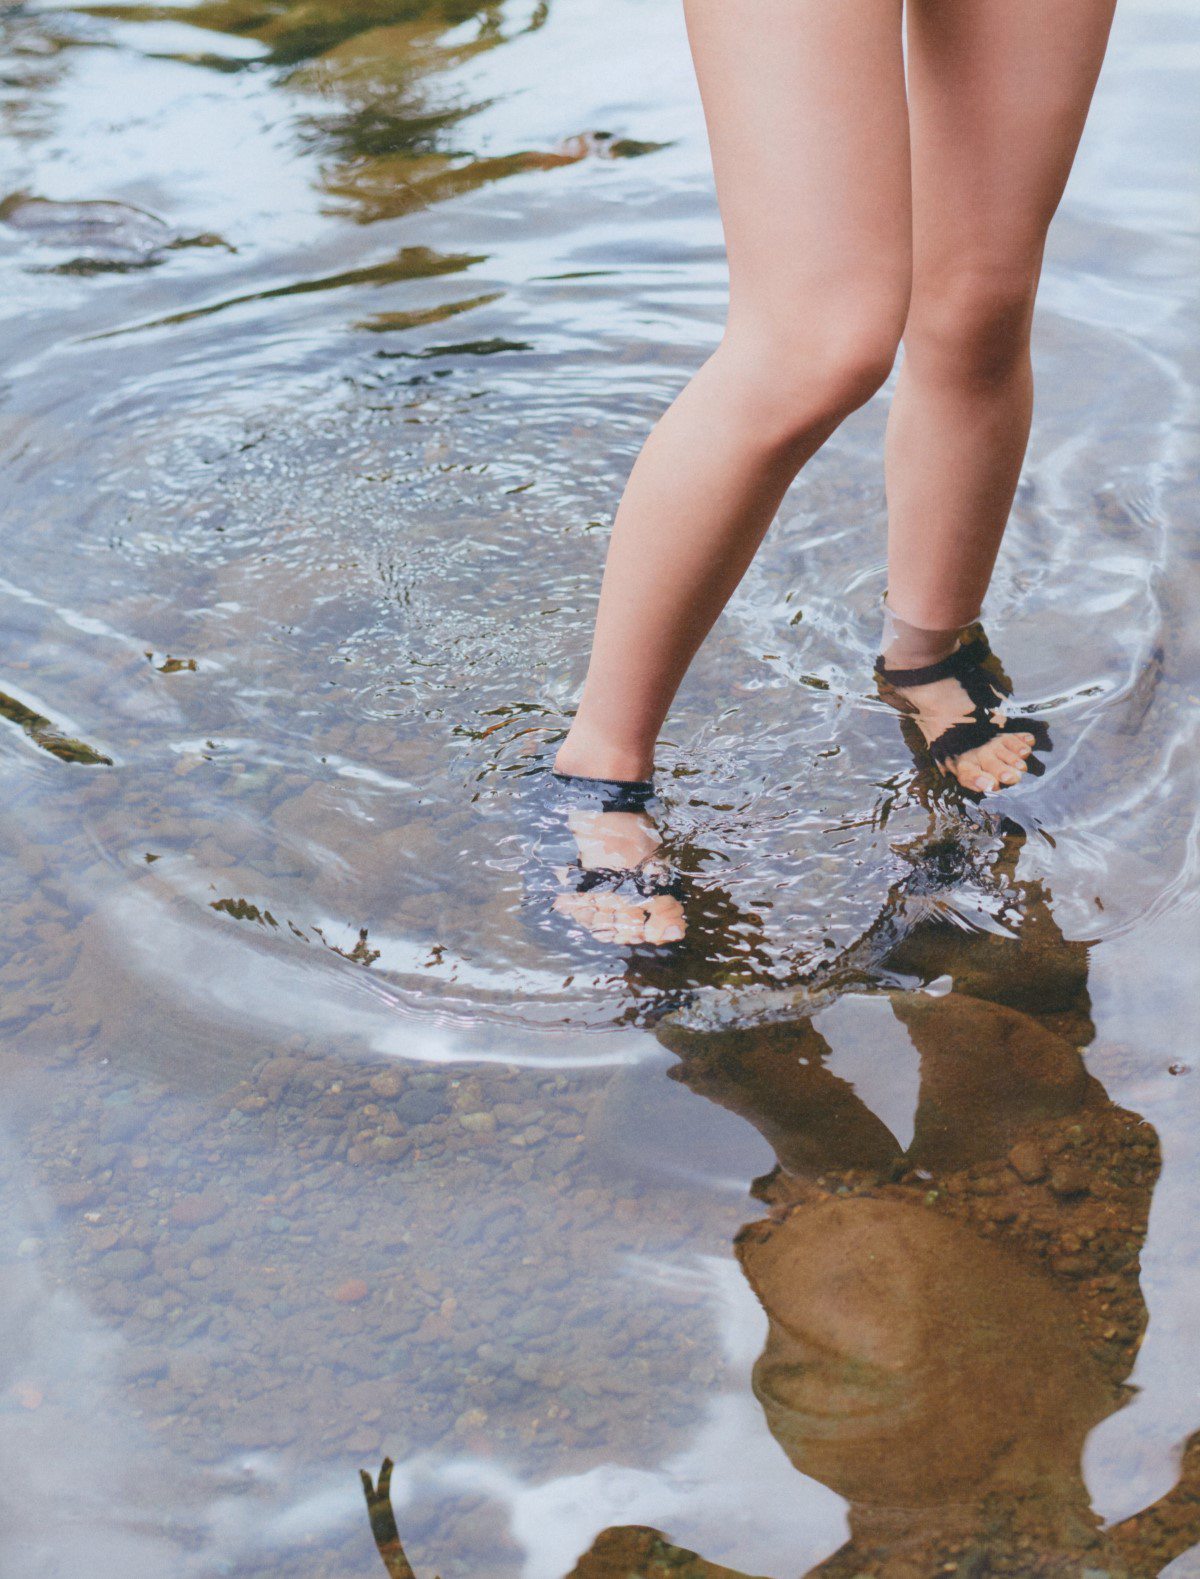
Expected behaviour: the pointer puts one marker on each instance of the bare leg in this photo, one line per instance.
(999, 91)
(806, 114)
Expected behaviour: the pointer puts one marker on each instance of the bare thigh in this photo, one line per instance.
(806, 113)
(999, 92)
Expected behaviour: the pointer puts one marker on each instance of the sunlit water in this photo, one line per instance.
(324, 1138)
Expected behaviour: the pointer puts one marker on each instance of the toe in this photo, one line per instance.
(664, 920)
(979, 770)
(660, 931)
(1000, 761)
(577, 907)
(1008, 761)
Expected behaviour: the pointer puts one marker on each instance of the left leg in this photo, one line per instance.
(998, 94)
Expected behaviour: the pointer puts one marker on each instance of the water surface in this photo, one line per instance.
(330, 332)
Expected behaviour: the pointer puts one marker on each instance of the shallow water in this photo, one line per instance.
(329, 334)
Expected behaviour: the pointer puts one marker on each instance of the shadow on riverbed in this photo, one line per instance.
(951, 1309)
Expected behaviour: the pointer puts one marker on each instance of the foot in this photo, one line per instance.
(956, 703)
(621, 843)
(1002, 761)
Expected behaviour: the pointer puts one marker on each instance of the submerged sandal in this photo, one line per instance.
(972, 666)
(638, 903)
(643, 882)
(605, 794)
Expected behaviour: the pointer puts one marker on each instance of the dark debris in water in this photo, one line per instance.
(170, 665)
(410, 263)
(43, 732)
(385, 323)
(492, 347)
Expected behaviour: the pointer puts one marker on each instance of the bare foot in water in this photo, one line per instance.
(626, 901)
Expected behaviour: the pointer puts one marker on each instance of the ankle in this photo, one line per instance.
(591, 756)
(908, 645)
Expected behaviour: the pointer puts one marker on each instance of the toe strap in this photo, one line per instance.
(646, 883)
(961, 738)
(1036, 727)
(980, 731)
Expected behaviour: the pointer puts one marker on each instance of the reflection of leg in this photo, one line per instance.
(989, 1076)
(774, 1077)
(806, 114)
(634, 1552)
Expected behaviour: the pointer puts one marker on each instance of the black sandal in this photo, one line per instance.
(638, 883)
(605, 794)
(645, 882)
(974, 666)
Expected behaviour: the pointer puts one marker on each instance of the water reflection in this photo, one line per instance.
(950, 1276)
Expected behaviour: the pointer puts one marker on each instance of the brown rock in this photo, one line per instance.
(1028, 1161)
(1068, 1178)
(190, 1211)
(351, 1291)
(278, 1071)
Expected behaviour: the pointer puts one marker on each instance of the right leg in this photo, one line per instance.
(806, 115)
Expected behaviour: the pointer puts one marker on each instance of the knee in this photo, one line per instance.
(855, 365)
(972, 326)
(797, 388)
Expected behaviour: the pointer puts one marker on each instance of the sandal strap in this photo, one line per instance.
(972, 733)
(647, 885)
(613, 794)
(961, 738)
(962, 664)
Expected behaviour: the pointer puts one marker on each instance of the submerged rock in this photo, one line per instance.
(96, 236)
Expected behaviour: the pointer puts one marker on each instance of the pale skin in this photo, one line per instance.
(858, 213)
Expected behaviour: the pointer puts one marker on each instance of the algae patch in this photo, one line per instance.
(43, 732)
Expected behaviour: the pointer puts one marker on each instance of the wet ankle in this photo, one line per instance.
(596, 760)
(907, 646)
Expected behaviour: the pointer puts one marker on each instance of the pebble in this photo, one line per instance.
(478, 1123)
(1028, 1161)
(351, 1291)
(420, 1106)
(128, 1264)
(212, 1236)
(1068, 1178)
(191, 1211)
(143, 1365)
